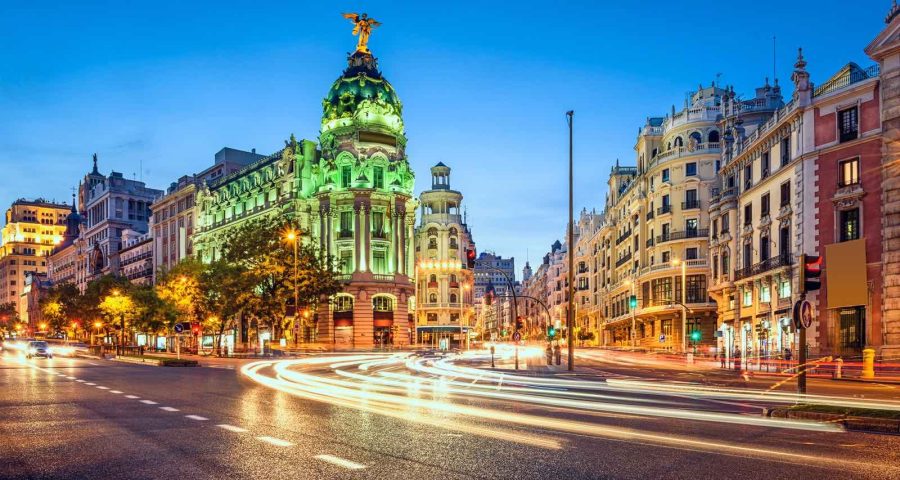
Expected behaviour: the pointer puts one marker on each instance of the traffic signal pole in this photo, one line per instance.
(570, 311)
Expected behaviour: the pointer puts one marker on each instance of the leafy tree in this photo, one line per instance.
(180, 288)
(225, 291)
(9, 316)
(151, 313)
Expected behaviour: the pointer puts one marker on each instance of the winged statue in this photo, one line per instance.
(362, 27)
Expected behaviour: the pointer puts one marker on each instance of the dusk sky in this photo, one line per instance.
(485, 86)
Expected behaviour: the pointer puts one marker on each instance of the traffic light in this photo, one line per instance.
(489, 298)
(810, 272)
(695, 336)
(551, 332)
(519, 323)
(632, 302)
(196, 328)
(470, 258)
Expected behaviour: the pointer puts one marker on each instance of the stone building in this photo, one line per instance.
(136, 257)
(444, 300)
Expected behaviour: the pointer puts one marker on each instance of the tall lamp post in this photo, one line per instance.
(683, 264)
(571, 287)
(633, 320)
(292, 237)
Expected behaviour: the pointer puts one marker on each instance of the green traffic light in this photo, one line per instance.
(695, 335)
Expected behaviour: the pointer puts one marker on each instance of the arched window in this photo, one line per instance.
(432, 279)
(383, 303)
(452, 298)
(714, 136)
(697, 138)
(679, 142)
(453, 231)
(655, 151)
(343, 303)
(432, 298)
(452, 278)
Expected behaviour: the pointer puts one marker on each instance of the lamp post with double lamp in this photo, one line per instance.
(294, 238)
(684, 308)
(97, 326)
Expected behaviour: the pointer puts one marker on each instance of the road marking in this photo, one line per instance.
(115, 391)
(101, 387)
(169, 409)
(92, 363)
(91, 384)
(72, 378)
(132, 396)
(148, 402)
(196, 417)
(61, 374)
(231, 428)
(275, 441)
(80, 380)
(341, 462)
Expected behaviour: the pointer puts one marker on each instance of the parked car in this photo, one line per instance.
(38, 348)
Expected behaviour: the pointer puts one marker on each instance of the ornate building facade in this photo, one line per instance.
(444, 283)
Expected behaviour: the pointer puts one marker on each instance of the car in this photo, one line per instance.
(38, 348)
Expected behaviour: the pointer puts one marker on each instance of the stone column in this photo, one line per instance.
(357, 210)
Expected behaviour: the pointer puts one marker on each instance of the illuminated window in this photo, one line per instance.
(748, 297)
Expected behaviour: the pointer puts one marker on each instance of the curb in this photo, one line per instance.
(157, 363)
(864, 424)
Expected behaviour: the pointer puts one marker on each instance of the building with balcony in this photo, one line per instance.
(444, 283)
(352, 192)
(32, 230)
(136, 257)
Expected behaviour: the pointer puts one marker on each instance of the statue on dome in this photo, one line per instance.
(363, 26)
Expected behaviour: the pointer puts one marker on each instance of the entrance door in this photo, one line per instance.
(852, 332)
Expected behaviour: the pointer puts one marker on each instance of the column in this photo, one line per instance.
(357, 258)
(367, 237)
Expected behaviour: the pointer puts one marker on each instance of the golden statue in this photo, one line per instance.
(363, 26)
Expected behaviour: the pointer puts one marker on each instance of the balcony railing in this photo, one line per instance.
(623, 260)
(846, 80)
(623, 237)
(664, 209)
(649, 242)
(345, 234)
(781, 260)
(380, 235)
(650, 214)
(681, 235)
(690, 204)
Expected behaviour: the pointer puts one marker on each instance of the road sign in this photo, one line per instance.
(179, 328)
(662, 338)
(517, 336)
(803, 316)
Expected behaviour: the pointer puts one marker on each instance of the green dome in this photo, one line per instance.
(362, 98)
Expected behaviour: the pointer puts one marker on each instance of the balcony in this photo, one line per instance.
(781, 260)
(649, 242)
(379, 235)
(623, 237)
(650, 214)
(344, 234)
(664, 210)
(659, 267)
(623, 260)
(682, 235)
(690, 204)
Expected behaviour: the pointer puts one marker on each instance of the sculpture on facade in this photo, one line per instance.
(363, 26)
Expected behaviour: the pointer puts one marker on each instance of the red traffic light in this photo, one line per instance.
(470, 257)
(810, 272)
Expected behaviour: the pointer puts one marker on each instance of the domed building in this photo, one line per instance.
(352, 191)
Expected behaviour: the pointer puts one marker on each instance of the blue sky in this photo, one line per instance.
(485, 86)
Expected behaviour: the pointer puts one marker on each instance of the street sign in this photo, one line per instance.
(179, 328)
(803, 316)
(662, 338)
(517, 336)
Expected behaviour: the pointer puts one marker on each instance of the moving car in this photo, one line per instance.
(38, 348)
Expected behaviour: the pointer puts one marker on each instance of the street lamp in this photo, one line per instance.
(633, 320)
(683, 264)
(292, 237)
(97, 325)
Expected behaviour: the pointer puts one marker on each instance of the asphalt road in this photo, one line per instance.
(75, 418)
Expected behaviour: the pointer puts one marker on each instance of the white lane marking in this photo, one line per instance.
(169, 409)
(115, 391)
(275, 441)
(196, 417)
(132, 396)
(148, 402)
(72, 378)
(340, 462)
(80, 380)
(92, 363)
(232, 428)
(91, 384)
(101, 387)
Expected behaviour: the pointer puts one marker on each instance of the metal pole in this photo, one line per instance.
(296, 291)
(684, 344)
(633, 321)
(571, 270)
(801, 354)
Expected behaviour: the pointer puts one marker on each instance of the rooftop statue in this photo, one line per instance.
(363, 26)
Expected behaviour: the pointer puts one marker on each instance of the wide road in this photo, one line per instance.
(400, 416)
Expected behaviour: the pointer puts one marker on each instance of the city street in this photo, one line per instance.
(400, 416)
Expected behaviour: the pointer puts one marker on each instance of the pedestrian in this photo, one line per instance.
(722, 358)
(788, 354)
(549, 354)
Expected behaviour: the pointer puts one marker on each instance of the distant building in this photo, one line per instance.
(110, 205)
(65, 263)
(444, 290)
(32, 229)
(493, 273)
(136, 257)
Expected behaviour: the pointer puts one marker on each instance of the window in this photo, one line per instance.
(714, 136)
(715, 265)
(715, 227)
(691, 227)
(690, 253)
(748, 255)
(690, 199)
(345, 176)
(726, 263)
(853, 325)
(690, 169)
(343, 303)
(383, 304)
(784, 240)
(346, 262)
(378, 224)
(748, 214)
(432, 298)
(785, 194)
(662, 290)
(785, 151)
(725, 226)
(849, 171)
(748, 297)
(346, 223)
(765, 165)
(784, 288)
(665, 257)
(849, 224)
(748, 176)
(765, 295)
(378, 174)
(764, 246)
(764, 207)
(848, 124)
(379, 265)
(665, 175)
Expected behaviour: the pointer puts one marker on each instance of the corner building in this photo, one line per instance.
(353, 193)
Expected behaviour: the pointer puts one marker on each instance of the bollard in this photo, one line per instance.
(868, 369)
(690, 358)
(838, 366)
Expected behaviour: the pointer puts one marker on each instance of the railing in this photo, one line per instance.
(854, 76)
(664, 209)
(378, 277)
(623, 260)
(650, 213)
(623, 237)
(690, 204)
(141, 274)
(137, 258)
(681, 235)
(694, 263)
(344, 234)
(781, 260)
(649, 242)
(708, 147)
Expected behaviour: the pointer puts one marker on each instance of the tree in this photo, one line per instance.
(180, 287)
(118, 309)
(225, 291)
(62, 304)
(151, 314)
(9, 316)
